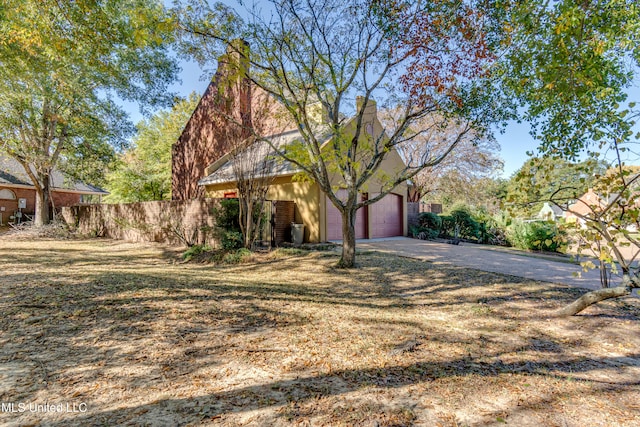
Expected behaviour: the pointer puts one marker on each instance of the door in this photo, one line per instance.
(334, 220)
(386, 216)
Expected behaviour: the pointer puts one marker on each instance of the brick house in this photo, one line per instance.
(228, 110)
(322, 221)
(200, 166)
(16, 188)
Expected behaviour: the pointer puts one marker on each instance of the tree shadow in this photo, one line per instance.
(138, 325)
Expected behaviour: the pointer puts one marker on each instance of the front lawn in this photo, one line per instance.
(126, 334)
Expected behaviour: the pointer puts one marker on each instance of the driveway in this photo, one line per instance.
(486, 258)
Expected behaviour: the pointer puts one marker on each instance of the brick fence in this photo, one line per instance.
(413, 210)
(170, 222)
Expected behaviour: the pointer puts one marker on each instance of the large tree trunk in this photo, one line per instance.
(591, 298)
(348, 258)
(42, 204)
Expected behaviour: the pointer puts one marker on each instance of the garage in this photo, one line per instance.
(386, 217)
(334, 220)
(383, 219)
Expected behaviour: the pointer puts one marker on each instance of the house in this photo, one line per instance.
(201, 167)
(550, 212)
(589, 203)
(228, 109)
(322, 220)
(17, 193)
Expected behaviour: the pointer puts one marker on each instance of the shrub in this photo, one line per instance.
(447, 229)
(237, 257)
(494, 230)
(496, 235)
(428, 226)
(230, 240)
(227, 230)
(535, 236)
(195, 250)
(459, 219)
(468, 228)
(429, 220)
(227, 215)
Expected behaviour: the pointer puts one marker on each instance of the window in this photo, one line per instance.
(7, 194)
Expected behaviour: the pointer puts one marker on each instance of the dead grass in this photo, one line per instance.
(143, 339)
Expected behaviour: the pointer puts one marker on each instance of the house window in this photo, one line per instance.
(7, 194)
(230, 195)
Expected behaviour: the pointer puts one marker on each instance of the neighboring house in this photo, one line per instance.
(586, 205)
(385, 218)
(550, 212)
(16, 186)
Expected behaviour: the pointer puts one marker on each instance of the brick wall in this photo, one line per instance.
(61, 199)
(214, 129)
(413, 210)
(206, 136)
(145, 221)
(284, 216)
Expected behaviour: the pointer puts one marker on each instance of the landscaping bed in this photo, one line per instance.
(138, 337)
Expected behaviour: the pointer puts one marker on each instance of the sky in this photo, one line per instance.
(514, 142)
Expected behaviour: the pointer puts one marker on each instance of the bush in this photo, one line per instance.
(468, 228)
(459, 219)
(496, 235)
(447, 229)
(237, 257)
(535, 236)
(428, 226)
(493, 230)
(227, 230)
(230, 240)
(227, 215)
(429, 220)
(195, 250)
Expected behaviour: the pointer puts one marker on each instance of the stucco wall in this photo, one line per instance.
(159, 221)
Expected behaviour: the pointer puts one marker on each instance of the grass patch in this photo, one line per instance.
(143, 339)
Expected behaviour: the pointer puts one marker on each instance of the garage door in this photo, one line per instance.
(334, 220)
(386, 216)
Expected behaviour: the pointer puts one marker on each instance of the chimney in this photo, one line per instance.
(370, 108)
(316, 111)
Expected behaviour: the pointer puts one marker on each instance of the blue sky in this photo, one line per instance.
(514, 142)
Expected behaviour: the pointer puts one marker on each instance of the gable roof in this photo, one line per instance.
(13, 174)
(222, 171)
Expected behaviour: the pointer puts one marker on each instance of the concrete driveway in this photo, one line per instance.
(487, 258)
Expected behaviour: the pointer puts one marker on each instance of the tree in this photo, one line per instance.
(317, 55)
(571, 67)
(252, 171)
(472, 158)
(540, 178)
(143, 172)
(483, 194)
(61, 63)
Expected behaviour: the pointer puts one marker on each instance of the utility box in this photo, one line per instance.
(297, 233)
(22, 203)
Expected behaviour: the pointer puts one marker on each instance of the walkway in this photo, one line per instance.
(487, 258)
